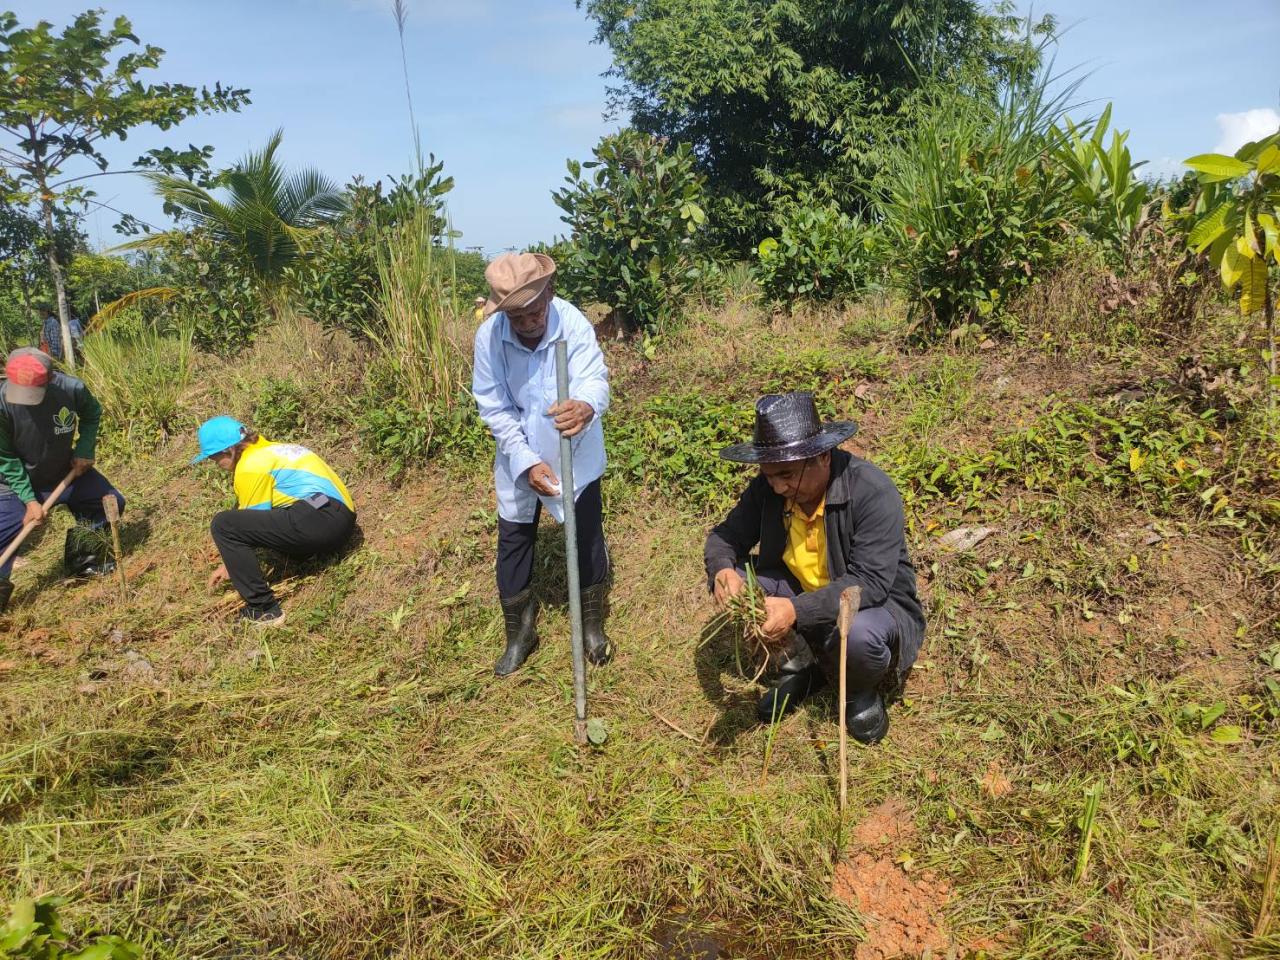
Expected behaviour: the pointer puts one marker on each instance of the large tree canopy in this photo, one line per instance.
(793, 99)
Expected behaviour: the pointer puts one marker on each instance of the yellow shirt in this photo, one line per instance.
(806, 551)
(273, 474)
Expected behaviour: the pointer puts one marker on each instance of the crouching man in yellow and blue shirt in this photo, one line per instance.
(288, 500)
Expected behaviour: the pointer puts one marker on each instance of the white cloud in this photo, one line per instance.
(1237, 129)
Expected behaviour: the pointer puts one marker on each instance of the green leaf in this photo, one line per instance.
(1233, 266)
(1269, 160)
(597, 732)
(1228, 733)
(1210, 226)
(993, 733)
(1253, 290)
(1215, 167)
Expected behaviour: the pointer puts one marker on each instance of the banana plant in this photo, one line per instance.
(1103, 181)
(1238, 224)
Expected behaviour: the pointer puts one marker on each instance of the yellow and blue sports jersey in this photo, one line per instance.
(271, 474)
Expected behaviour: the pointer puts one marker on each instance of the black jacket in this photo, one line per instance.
(866, 546)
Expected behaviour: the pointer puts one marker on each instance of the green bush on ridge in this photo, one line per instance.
(819, 254)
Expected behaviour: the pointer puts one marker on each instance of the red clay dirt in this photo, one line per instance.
(903, 912)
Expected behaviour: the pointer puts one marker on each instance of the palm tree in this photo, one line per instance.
(268, 215)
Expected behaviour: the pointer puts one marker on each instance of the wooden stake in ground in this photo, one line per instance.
(58, 491)
(111, 507)
(850, 601)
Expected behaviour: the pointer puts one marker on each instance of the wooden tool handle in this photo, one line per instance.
(850, 601)
(58, 491)
(111, 507)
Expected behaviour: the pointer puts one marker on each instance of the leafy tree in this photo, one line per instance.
(793, 99)
(267, 218)
(632, 221)
(1239, 227)
(24, 269)
(61, 97)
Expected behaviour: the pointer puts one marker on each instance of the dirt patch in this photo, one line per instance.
(903, 912)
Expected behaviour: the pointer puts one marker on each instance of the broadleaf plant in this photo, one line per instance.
(1238, 226)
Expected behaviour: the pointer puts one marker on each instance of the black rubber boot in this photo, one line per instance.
(520, 614)
(865, 717)
(791, 690)
(84, 554)
(594, 606)
(6, 591)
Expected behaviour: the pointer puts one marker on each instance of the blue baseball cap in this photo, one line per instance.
(218, 434)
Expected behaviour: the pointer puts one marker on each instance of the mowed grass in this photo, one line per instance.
(358, 784)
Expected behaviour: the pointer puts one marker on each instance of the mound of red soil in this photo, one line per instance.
(903, 911)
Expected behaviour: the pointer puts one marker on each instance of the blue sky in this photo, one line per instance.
(506, 90)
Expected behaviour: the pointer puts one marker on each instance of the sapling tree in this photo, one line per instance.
(1239, 228)
(64, 96)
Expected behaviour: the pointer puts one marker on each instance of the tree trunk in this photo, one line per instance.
(1269, 311)
(59, 285)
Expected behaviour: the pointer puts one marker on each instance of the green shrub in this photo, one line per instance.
(399, 434)
(818, 254)
(34, 931)
(973, 204)
(139, 377)
(337, 284)
(214, 290)
(670, 448)
(633, 222)
(1110, 197)
(281, 408)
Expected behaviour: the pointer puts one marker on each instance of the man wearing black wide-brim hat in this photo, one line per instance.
(823, 520)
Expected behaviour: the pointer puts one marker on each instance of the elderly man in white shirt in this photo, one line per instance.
(514, 383)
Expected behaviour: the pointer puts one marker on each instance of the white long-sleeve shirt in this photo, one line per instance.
(515, 386)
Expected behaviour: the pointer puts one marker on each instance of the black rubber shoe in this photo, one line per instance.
(6, 591)
(791, 690)
(594, 641)
(271, 616)
(520, 617)
(865, 717)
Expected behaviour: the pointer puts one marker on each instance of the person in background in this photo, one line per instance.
(823, 520)
(288, 499)
(514, 383)
(49, 428)
(51, 333)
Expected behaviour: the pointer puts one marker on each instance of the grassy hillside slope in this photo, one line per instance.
(358, 784)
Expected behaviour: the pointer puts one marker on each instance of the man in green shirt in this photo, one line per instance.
(49, 428)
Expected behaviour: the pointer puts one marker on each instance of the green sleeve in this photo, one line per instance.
(89, 411)
(12, 470)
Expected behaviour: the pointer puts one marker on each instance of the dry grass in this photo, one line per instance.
(357, 784)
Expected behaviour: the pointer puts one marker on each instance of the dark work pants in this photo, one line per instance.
(516, 542)
(83, 498)
(298, 530)
(871, 638)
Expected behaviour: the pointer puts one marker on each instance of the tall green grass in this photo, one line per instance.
(140, 377)
(415, 308)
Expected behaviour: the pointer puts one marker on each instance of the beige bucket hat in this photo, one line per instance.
(516, 280)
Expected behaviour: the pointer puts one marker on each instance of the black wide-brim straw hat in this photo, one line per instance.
(788, 428)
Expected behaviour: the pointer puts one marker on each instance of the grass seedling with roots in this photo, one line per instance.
(746, 612)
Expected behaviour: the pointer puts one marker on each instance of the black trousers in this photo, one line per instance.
(516, 542)
(298, 530)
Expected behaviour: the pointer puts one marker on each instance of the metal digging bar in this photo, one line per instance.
(571, 554)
